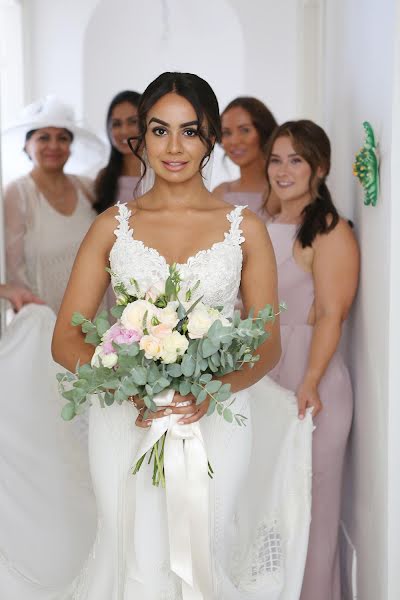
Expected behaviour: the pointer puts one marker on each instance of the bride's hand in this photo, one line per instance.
(191, 413)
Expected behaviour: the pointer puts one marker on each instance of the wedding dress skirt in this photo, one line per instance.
(259, 505)
(47, 507)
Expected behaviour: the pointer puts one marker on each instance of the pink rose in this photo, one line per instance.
(119, 335)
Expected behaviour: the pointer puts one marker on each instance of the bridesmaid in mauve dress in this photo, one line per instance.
(117, 181)
(247, 125)
(318, 265)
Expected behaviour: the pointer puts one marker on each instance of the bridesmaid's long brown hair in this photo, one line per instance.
(312, 144)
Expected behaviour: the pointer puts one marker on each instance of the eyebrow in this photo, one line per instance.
(155, 120)
(289, 155)
(240, 125)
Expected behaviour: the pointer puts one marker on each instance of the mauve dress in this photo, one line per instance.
(332, 425)
(126, 188)
(253, 201)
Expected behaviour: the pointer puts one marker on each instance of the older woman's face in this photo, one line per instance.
(49, 148)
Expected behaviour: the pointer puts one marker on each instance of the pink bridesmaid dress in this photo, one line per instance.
(332, 425)
(126, 188)
(253, 201)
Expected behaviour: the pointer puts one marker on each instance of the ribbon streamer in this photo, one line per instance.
(186, 491)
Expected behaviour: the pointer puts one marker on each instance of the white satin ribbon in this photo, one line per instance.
(187, 490)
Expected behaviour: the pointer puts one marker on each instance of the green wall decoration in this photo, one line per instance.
(366, 166)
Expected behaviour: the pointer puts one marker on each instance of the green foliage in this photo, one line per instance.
(223, 350)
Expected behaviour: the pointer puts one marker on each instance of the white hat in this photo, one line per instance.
(88, 152)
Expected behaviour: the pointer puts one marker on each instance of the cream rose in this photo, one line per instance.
(151, 345)
(160, 331)
(168, 315)
(106, 360)
(132, 317)
(109, 360)
(173, 346)
(199, 321)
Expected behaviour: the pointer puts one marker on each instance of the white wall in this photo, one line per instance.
(360, 56)
(85, 52)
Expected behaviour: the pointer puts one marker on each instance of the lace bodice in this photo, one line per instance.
(218, 268)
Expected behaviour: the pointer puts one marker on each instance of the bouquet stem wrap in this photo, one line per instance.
(187, 498)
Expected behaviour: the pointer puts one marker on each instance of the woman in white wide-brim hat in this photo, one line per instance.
(47, 212)
(46, 500)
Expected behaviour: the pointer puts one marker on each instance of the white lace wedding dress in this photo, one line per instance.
(259, 497)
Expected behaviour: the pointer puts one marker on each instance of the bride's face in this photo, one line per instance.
(173, 146)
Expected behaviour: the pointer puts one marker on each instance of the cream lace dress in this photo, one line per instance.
(41, 243)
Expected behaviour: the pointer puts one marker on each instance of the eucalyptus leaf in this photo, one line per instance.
(68, 411)
(163, 382)
(77, 319)
(128, 387)
(117, 311)
(120, 396)
(139, 375)
(209, 347)
(108, 399)
(92, 338)
(174, 370)
(202, 396)
(205, 378)
(211, 407)
(227, 414)
(213, 386)
(184, 387)
(188, 365)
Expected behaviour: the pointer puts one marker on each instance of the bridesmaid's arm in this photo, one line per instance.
(335, 272)
(85, 291)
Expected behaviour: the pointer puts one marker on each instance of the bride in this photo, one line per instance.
(259, 499)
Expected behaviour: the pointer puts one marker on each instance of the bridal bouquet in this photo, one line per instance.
(163, 340)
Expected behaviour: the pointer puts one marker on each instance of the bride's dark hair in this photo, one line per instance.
(196, 91)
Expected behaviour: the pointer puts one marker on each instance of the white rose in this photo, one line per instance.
(132, 317)
(106, 360)
(199, 321)
(109, 360)
(95, 362)
(173, 346)
(151, 345)
(168, 315)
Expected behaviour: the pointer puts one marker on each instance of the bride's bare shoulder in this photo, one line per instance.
(103, 227)
(253, 226)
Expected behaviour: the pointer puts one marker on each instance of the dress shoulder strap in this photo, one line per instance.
(123, 216)
(235, 218)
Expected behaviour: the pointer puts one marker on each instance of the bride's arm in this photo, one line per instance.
(85, 290)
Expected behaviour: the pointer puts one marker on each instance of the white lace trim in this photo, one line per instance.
(234, 235)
